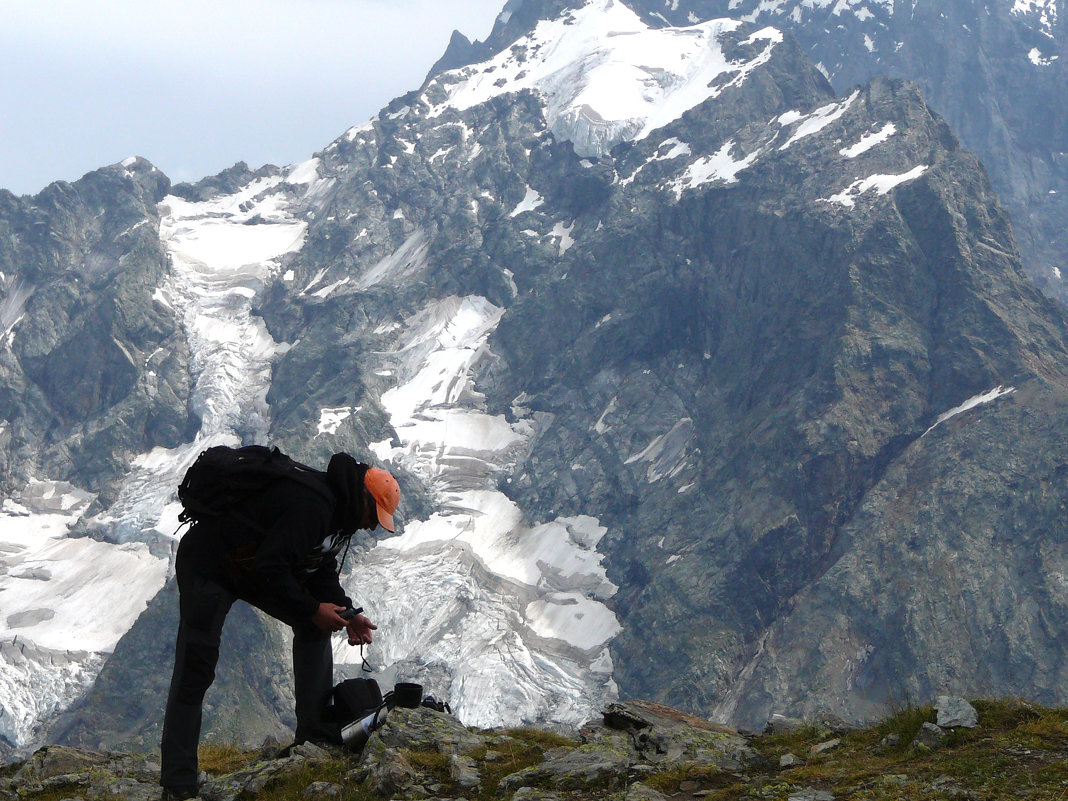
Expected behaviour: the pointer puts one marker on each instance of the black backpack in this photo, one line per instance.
(353, 699)
(223, 477)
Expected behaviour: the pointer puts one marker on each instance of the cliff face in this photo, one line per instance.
(92, 371)
(996, 71)
(703, 384)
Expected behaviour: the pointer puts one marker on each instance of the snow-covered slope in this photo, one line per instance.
(65, 604)
(606, 77)
(513, 611)
(997, 71)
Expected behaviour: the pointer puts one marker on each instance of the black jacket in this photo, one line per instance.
(278, 548)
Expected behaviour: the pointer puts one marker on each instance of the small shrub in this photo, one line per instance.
(905, 724)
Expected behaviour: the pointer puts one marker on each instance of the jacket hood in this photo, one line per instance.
(345, 477)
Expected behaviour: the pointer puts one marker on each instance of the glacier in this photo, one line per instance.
(512, 612)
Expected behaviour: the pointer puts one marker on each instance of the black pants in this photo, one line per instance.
(203, 605)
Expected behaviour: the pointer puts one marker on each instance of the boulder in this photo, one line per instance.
(955, 712)
(584, 767)
(249, 780)
(424, 729)
(391, 774)
(57, 760)
(821, 748)
(660, 734)
(464, 771)
(929, 736)
(782, 724)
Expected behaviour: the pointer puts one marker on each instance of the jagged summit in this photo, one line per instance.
(605, 77)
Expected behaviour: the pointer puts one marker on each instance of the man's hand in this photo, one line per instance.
(326, 617)
(360, 629)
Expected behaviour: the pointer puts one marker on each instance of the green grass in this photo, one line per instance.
(220, 759)
(292, 785)
(518, 750)
(432, 763)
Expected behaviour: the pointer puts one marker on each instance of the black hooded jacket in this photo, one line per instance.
(278, 548)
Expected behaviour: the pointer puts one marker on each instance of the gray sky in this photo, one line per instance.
(197, 85)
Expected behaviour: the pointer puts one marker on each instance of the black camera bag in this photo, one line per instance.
(353, 699)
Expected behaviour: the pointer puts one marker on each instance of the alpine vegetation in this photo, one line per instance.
(703, 383)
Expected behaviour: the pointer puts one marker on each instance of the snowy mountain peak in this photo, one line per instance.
(607, 77)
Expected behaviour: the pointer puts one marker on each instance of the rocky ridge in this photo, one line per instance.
(637, 751)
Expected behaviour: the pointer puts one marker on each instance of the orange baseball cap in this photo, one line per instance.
(386, 492)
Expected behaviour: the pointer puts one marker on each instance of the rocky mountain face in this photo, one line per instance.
(997, 71)
(703, 383)
(93, 371)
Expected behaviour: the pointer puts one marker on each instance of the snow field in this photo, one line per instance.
(514, 609)
(605, 76)
(65, 603)
(71, 594)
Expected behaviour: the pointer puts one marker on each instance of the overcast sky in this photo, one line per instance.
(197, 85)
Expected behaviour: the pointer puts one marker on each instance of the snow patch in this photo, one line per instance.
(13, 307)
(720, 166)
(573, 618)
(330, 420)
(531, 200)
(868, 141)
(563, 233)
(676, 149)
(880, 183)
(815, 121)
(408, 260)
(1035, 57)
(971, 403)
(666, 455)
(1042, 12)
(304, 173)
